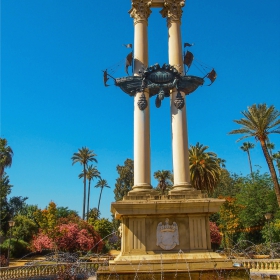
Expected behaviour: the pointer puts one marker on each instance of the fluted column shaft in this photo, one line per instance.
(142, 171)
(173, 11)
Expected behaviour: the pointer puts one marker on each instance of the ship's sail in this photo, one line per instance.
(188, 59)
(212, 75)
(128, 62)
(105, 78)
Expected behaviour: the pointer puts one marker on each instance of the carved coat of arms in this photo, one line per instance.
(167, 235)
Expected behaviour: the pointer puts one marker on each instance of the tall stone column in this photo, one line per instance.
(140, 11)
(173, 12)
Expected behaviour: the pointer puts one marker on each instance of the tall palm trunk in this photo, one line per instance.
(250, 163)
(99, 198)
(88, 198)
(85, 190)
(271, 169)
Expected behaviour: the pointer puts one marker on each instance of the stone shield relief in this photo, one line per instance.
(167, 235)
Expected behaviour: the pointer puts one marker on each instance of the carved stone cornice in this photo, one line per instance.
(140, 10)
(173, 10)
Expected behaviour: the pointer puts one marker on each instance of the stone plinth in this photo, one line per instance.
(142, 216)
(200, 274)
(167, 234)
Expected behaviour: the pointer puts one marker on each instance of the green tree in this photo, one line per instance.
(229, 221)
(11, 208)
(29, 211)
(271, 231)
(270, 146)
(276, 157)
(64, 212)
(91, 173)
(18, 248)
(24, 228)
(5, 190)
(84, 156)
(47, 218)
(125, 181)
(246, 146)
(93, 215)
(6, 155)
(257, 198)
(205, 168)
(16, 205)
(260, 121)
(103, 227)
(229, 185)
(101, 184)
(164, 178)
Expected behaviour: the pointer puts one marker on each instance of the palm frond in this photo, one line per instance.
(259, 122)
(205, 168)
(83, 156)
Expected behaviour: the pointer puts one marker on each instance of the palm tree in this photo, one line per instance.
(205, 169)
(276, 157)
(91, 173)
(83, 156)
(270, 146)
(93, 214)
(260, 121)
(101, 184)
(164, 178)
(6, 155)
(246, 146)
(222, 162)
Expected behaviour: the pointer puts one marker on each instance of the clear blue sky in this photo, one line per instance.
(53, 100)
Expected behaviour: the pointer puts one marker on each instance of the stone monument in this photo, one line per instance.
(171, 232)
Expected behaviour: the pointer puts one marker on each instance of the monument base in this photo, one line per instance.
(192, 275)
(172, 266)
(165, 235)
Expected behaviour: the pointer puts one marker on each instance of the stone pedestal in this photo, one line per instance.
(203, 274)
(141, 219)
(165, 233)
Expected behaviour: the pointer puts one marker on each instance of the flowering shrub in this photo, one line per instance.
(67, 237)
(115, 242)
(41, 242)
(70, 238)
(215, 235)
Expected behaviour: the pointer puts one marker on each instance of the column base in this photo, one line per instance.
(181, 188)
(142, 190)
(141, 187)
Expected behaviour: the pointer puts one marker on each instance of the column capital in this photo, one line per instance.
(140, 10)
(172, 10)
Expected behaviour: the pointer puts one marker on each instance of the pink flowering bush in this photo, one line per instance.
(215, 234)
(69, 237)
(41, 242)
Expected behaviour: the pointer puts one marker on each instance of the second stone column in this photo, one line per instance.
(173, 12)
